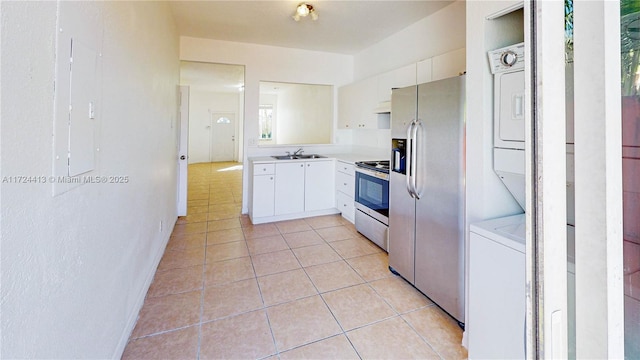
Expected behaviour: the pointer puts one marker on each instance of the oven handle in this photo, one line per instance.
(414, 159)
(409, 158)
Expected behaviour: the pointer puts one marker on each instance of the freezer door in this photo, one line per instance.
(403, 110)
(401, 246)
(439, 244)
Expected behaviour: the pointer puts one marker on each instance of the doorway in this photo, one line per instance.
(216, 110)
(215, 117)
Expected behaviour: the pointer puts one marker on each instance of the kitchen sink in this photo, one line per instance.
(285, 157)
(295, 157)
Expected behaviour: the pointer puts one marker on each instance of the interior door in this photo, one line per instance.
(183, 140)
(223, 136)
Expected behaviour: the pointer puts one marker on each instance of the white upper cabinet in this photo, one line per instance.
(402, 77)
(356, 104)
(450, 64)
(423, 71)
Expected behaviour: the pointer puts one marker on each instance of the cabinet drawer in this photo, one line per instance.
(344, 204)
(264, 169)
(346, 168)
(345, 183)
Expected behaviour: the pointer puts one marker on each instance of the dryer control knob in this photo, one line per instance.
(508, 58)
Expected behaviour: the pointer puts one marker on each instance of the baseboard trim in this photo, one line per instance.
(133, 316)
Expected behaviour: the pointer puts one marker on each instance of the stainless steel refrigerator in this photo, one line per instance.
(427, 190)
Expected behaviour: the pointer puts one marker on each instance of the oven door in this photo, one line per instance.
(372, 191)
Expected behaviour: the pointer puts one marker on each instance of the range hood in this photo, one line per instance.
(384, 107)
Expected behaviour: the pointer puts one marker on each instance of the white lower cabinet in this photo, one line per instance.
(292, 189)
(319, 185)
(263, 195)
(289, 197)
(345, 190)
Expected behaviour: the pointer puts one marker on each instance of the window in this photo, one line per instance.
(265, 121)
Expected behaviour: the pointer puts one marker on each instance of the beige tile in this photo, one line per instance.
(301, 322)
(226, 251)
(193, 228)
(332, 276)
(231, 299)
(285, 286)
(221, 272)
(335, 233)
(245, 336)
(245, 220)
(292, 226)
(167, 313)
(191, 203)
(176, 281)
(198, 195)
(316, 255)
(440, 330)
(223, 224)
(337, 347)
(224, 236)
(390, 339)
(178, 344)
(371, 267)
(197, 210)
(267, 244)
(304, 238)
(176, 259)
(354, 247)
(357, 306)
(275, 262)
(399, 294)
(222, 215)
(194, 218)
(261, 230)
(320, 222)
(186, 241)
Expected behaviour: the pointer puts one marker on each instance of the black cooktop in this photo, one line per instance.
(381, 165)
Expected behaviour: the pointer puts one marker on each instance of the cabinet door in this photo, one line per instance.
(398, 78)
(263, 195)
(319, 185)
(289, 196)
(449, 65)
(346, 106)
(366, 102)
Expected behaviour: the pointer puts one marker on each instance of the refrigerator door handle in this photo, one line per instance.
(414, 158)
(408, 158)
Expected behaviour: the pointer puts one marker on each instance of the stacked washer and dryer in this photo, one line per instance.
(497, 310)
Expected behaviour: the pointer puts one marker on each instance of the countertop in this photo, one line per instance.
(350, 158)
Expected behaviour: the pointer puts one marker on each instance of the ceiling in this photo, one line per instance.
(344, 27)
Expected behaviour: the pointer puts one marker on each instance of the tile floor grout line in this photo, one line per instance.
(264, 307)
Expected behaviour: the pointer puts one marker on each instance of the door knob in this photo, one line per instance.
(183, 157)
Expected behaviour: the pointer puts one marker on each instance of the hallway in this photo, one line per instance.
(309, 288)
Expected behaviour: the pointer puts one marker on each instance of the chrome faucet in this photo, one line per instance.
(298, 152)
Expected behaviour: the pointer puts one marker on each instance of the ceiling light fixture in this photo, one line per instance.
(304, 10)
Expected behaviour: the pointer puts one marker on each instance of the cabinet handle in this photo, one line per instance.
(264, 169)
(301, 165)
(271, 178)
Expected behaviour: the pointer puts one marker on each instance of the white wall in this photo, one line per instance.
(487, 196)
(270, 63)
(303, 115)
(201, 104)
(75, 267)
(436, 34)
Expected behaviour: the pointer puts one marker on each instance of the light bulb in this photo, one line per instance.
(302, 10)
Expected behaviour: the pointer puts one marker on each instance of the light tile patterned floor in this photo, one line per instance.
(300, 289)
